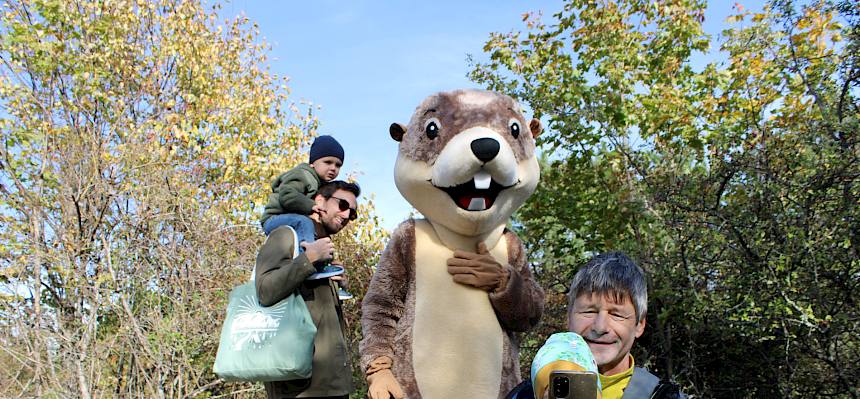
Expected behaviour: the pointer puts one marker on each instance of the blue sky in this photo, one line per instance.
(369, 63)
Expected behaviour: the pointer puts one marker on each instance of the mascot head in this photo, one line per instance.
(467, 159)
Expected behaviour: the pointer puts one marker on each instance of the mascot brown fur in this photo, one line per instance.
(451, 291)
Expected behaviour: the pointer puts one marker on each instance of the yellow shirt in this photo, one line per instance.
(613, 385)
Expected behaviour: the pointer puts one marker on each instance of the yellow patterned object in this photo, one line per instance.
(541, 381)
(562, 351)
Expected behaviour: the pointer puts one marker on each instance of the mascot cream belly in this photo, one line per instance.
(452, 290)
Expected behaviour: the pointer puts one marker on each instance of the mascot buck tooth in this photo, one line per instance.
(451, 291)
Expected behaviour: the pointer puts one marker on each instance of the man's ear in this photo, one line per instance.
(536, 127)
(319, 199)
(397, 131)
(640, 327)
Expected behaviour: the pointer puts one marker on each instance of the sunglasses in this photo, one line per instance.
(343, 205)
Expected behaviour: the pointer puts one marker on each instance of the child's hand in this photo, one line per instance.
(317, 209)
(340, 278)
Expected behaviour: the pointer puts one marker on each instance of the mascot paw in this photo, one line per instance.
(383, 385)
(479, 270)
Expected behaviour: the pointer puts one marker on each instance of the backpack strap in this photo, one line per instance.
(295, 249)
(667, 389)
(641, 384)
(644, 385)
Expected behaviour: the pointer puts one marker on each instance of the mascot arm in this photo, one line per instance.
(384, 303)
(519, 304)
(380, 380)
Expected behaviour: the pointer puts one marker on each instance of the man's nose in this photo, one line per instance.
(599, 325)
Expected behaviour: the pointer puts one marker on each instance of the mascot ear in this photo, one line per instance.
(397, 131)
(535, 127)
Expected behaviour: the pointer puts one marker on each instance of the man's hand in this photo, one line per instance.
(319, 250)
(479, 270)
(383, 385)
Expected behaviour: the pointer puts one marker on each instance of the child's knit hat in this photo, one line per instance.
(325, 146)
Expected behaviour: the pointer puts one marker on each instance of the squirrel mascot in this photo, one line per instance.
(452, 290)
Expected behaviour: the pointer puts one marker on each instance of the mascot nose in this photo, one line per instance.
(485, 148)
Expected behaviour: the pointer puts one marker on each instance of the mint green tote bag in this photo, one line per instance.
(258, 343)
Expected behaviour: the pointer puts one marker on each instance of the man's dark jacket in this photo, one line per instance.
(278, 276)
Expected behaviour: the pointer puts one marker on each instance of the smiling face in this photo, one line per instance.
(609, 326)
(466, 160)
(332, 217)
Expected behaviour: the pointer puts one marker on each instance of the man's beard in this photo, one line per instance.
(331, 227)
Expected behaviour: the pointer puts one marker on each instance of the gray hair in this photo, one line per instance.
(612, 273)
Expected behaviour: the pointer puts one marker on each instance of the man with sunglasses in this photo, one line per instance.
(278, 276)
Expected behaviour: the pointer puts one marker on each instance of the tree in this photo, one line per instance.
(139, 138)
(734, 183)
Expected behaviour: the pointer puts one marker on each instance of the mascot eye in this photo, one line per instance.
(432, 129)
(515, 129)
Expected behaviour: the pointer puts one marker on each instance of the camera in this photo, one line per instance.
(560, 387)
(572, 384)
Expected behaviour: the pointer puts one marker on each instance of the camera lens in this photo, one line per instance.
(560, 387)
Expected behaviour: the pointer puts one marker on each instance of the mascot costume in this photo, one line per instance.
(451, 291)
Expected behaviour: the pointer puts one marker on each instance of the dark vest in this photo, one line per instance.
(642, 385)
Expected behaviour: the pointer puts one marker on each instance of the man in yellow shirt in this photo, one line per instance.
(607, 305)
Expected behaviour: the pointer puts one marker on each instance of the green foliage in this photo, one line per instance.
(735, 183)
(138, 138)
